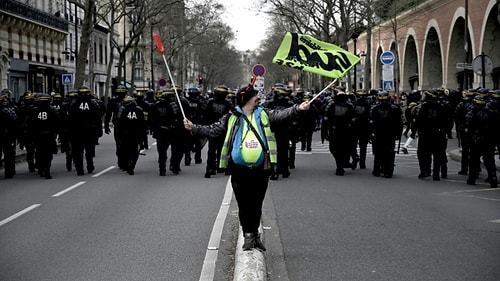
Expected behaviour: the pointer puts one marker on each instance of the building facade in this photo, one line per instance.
(440, 43)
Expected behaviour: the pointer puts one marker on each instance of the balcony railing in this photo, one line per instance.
(25, 11)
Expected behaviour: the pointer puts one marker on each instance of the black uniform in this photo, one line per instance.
(387, 127)
(168, 130)
(130, 131)
(194, 111)
(217, 106)
(43, 125)
(85, 128)
(464, 140)
(361, 126)
(480, 125)
(337, 124)
(431, 117)
(8, 125)
(111, 112)
(25, 141)
(283, 133)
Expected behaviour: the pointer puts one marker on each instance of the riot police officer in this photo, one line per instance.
(85, 119)
(280, 101)
(387, 127)
(111, 112)
(43, 125)
(464, 140)
(337, 125)
(430, 120)
(361, 125)
(25, 106)
(194, 111)
(130, 131)
(8, 127)
(168, 130)
(64, 135)
(480, 125)
(217, 106)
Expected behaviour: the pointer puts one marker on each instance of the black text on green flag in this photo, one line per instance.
(306, 53)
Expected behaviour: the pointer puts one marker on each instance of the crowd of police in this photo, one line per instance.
(42, 124)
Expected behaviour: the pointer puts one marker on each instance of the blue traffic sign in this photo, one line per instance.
(388, 86)
(67, 79)
(387, 57)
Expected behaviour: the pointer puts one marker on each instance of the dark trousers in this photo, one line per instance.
(383, 155)
(8, 148)
(214, 151)
(486, 150)
(44, 152)
(249, 187)
(431, 152)
(83, 147)
(340, 143)
(162, 145)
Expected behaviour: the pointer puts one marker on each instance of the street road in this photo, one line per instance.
(317, 226)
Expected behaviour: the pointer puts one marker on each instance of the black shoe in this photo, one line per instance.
(258, 243)
(424, 175)
(387, 176)
(355, 163)
(435, 178)
(187, 161)
(463, 173)
(249, 242)
(340, 172)
(404, 150)
(163, 173)
(48, 176)
(471, 182)
(292, 166)
(362, 165)
(198, 161)
(274, 176)
(69, 166)
(80, 173)
(285, 174)
(376, 173)
(207, 175)
(130, 172)
(175, 170)
(90, 169)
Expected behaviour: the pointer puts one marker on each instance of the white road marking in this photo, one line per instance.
(20, 213)
(495, 221)
(68, 189)
(104, 171)
(208, 270)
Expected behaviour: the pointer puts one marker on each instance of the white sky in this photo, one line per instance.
(249, 25)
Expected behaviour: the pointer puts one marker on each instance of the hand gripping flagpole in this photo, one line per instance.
(161, 49)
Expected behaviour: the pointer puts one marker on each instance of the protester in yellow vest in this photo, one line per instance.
(244, 156)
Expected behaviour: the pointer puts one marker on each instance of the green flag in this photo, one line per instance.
(306, 53)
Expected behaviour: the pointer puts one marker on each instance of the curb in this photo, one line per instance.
(249, 265)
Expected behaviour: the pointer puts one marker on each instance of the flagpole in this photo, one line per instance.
(326, 88)
(161, 49)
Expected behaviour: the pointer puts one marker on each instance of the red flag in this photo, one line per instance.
(159, 44)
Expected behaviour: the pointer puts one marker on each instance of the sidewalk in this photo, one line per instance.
(456, 155)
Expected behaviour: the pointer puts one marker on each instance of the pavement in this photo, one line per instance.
(251, 265)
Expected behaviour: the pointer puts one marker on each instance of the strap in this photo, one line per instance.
(257, 135)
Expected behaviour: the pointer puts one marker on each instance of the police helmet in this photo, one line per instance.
(383, 96)
(193, 92)
(128, 100)
(361, 92)
(84, 91)
(282, 90)
(430, 94)
(495, 94)
(471, 92)
(121, 90)
(42, 97)
(4, 100)
(221, 91)
(483, 92)
(479, 100)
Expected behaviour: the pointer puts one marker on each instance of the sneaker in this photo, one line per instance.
(405, 151)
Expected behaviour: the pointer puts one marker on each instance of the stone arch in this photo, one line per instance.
(489, 43)
(409, 64)
(459, 52)
(432, 56)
